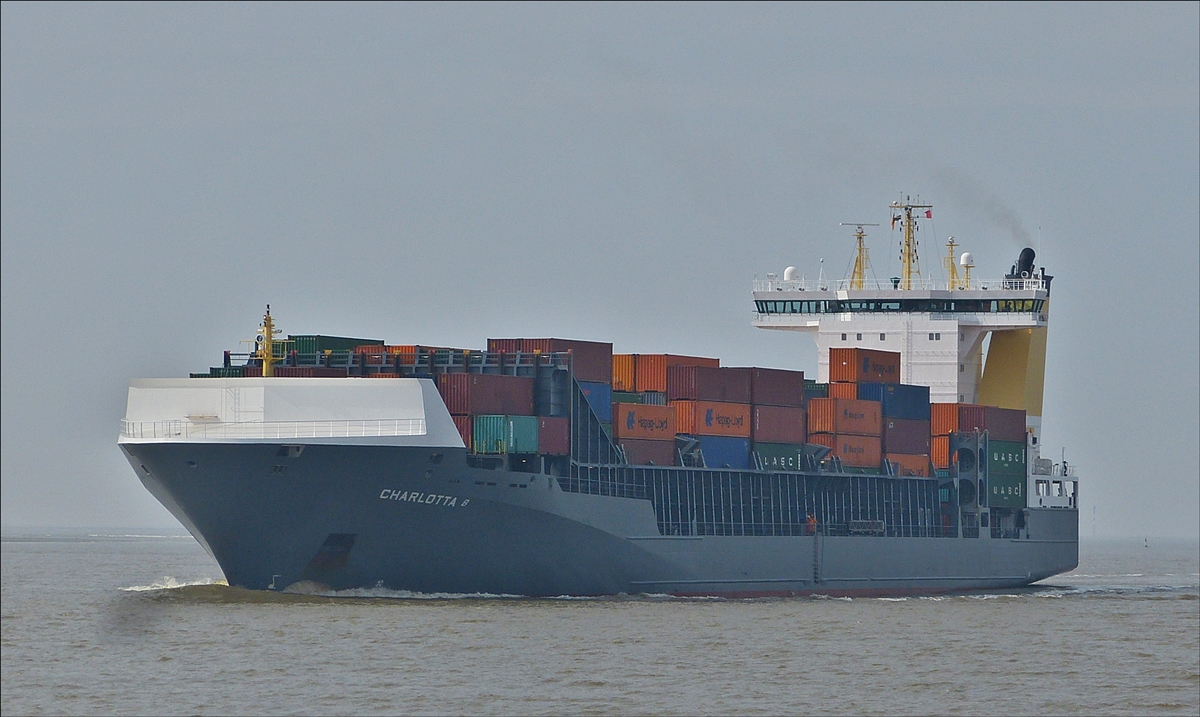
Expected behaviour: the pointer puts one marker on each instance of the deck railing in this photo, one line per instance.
(1028, 284)
(269, 430)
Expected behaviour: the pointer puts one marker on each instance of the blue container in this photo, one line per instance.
(599, 396)
(898, 400)
(725, 452)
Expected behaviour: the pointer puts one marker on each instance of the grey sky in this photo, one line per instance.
(440, 174)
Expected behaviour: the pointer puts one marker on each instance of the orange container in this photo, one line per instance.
(384, 374)
(909, 465)
(941, 452)
(863, 366)
(650, 371)
(855, 451)
(623, 372)
(947, 418)
(636, 420)
(844, 390)
(400, 349)
(843, 416)
(709, 418)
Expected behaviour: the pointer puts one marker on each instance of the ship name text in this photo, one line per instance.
(412, 496)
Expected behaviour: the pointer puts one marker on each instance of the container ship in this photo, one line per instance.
(545, 467)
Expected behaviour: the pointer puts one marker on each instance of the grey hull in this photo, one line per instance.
(421, 519)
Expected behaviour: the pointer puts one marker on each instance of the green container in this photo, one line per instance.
(781, 456)
(1006, 491)
(625, 397)
(812, 389)
(200, 375)
(225, 372)
(1006, 458)
(505, 434)
(314, 343)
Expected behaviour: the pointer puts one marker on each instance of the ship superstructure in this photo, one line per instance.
(551, 466)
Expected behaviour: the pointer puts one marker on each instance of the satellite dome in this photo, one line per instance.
(789, 274)
(966, 259)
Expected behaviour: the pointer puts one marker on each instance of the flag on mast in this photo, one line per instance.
(929, 214)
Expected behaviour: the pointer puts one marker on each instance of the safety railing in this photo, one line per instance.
(268, 430)
(1022, 284)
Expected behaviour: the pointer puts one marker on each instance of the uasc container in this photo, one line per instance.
(640, 452)
(780, 456)
(777, 424)
(854, 451)
(1006, 457)
(635, 420)
(857, 365)
(650, 370)
(710, 418)
(704, 383)
(1007, 491)
(844, 416)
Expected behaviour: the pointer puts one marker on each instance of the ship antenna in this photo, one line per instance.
(951, 266)
(265, 344)
(861, 261)
(909, 263)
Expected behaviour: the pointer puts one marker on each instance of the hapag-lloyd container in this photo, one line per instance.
(843, 390)
(599, 397)
(624, 366)
(554, 436)
(777, 424)
(478, 394)
(838, 415)
(776, 387)
(898, 400)
(905, 436)
(650, 370)
(639, 421)
(703, 383)
(710, 418)
(725, 452)
(640, 452)
(857, 365)
(855, 451)
(909, 465)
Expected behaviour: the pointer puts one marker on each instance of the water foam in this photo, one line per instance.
(170, 583)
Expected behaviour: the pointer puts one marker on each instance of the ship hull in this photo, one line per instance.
(421, 519)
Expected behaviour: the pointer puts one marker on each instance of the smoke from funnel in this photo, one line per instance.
(972, 196)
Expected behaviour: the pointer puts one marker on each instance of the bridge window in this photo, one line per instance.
(843, 337)
(883, 337)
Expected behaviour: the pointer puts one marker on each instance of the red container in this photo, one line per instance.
(293, 371)
(776, 387)
(843, 390)
(906, 436)
(643, 422)
(623, 372)
(839, 415)
(554, 436)
(909, 465)
(252, 372)
(508, 346)
(650, 370)
(486, 394)
(940, 454)
(464, 425)
(777, 424)
(1006, 424)
(947, 418)
(702, 383)
(855, 451)
(641, 452)
(326, 372)
(590, 360)
(709, 418)
(864, 366)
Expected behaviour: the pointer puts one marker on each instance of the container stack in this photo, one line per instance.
(645, 432)
(1002, 424)
(1007, 474)
(713, 405)
(851, 429)
(906, 425)
(777, 423)
(493, 413)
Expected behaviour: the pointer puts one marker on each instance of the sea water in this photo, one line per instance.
(113, 622)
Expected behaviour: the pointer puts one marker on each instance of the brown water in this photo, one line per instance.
(91, 625)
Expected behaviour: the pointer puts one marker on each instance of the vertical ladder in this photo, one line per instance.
(816, 557)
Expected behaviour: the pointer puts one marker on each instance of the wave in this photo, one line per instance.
(170, 583)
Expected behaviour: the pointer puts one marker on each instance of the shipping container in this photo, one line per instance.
(626, 397)
(650, 370)
(554, 436)
(508, 346)
(909, 465)
(506, 434)
(898, 400)
(1006, 424)
(491, 394)
(812, 390)
(947, 418)
(1007, 491)
(703, 383)
(324, 372)
(1005, 457)
(776, 387)
(624, 366)
(383, 374)
(200, 375)
(293, 371)
(940, 451)
(653, 398)
(906, 436)
(854, 451)
(777, 424)
(725, 452)
(710, 418)
(313, 343)
(780, 456)
(466, 427)
(842, 390)
(838, 415)
(591, 361)
(635, 420)
(640, 452)
(599, 397)
(858, 365)
(252, 371)
(226, 371)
